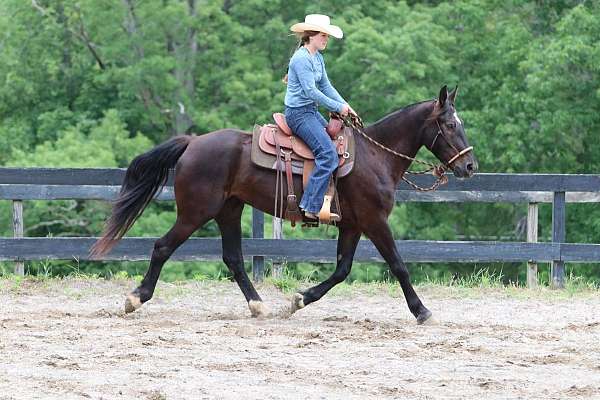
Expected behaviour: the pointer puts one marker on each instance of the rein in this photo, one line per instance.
(354, 121)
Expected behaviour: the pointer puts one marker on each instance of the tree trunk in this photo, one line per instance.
(185, 55)
(151, 100)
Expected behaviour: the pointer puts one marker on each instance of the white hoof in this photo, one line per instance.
(431, 321)
(258, 309)
(132, 303)
(297, 302)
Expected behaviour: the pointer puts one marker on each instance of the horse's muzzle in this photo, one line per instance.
(465, 167)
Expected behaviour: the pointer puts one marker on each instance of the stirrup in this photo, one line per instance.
(325, 215)
(333, 217)
(315, 217)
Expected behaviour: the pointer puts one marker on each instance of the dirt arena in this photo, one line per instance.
(69, 339)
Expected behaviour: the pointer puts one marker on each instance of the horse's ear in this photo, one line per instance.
(452, 94)
(443, 96)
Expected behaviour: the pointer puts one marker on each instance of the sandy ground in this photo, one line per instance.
(69, 339)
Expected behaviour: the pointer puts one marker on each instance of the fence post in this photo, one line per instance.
(258, 232)
(557, 271)
(532, 237)
(18, 232)
(277, 270)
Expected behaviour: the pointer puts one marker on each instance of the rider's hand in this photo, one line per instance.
(351, 110)
(345, 110)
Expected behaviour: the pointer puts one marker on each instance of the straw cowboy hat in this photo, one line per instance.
(317, 22)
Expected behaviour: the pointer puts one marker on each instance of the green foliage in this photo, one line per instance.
(88, 143)
(92, 84)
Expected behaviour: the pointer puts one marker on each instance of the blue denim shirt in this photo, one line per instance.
(308, 82)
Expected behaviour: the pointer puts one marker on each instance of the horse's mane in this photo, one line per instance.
(399, 112)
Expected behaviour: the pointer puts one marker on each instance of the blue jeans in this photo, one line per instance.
(307, 123)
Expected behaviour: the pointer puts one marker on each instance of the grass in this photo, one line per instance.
(483, 278)
(287, 283)
(574, 284)
(478, 284)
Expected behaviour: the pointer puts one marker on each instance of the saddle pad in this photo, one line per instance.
(268, 160)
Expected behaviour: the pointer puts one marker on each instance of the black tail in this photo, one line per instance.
(145, 176)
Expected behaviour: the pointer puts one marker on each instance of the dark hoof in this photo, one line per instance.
(424, 317)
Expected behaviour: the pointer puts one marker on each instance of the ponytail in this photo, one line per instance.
(303, 38)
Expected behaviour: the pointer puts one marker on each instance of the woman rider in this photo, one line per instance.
(307, 88)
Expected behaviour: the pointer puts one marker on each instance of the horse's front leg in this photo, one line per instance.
(381, 236)
(347, 240)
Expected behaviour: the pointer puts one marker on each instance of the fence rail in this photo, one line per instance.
(321, 250)
(18, 184)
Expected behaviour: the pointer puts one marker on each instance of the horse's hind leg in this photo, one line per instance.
(163, 248)
(229, 221)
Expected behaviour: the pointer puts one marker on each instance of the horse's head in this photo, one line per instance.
(444, 135)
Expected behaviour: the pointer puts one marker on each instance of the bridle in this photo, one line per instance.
(354, 121)
(457, 155)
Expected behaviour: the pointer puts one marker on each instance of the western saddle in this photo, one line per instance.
(274, 146)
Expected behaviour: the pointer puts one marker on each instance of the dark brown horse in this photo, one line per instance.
(215, 177)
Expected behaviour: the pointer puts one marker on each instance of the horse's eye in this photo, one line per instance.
(451, 125)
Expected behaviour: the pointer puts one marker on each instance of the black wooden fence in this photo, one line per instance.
(18, 184)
